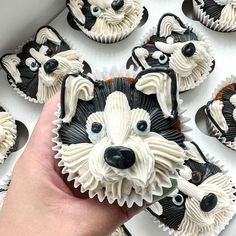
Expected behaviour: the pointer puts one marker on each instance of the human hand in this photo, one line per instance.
(40, 202)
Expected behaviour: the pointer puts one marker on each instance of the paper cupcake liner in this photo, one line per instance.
(109, 39)
(213, 130)
(133, 198)
(14, 134)
(13, 84)
(201, 37)
(210, 22)
(220, 227)
(4, 185)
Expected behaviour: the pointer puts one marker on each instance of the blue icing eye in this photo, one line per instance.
(163, 59)
(142, 128)
(96, 11)
(96, 131)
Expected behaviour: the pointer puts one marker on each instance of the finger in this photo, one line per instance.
(40, 143)
(107, 217)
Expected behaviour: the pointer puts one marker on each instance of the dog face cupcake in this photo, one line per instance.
(219, 15)
(7, 133)
(106, 21)
(204, 202)
(37, 71)
(120, 138)
(221, 113)
(176, 46)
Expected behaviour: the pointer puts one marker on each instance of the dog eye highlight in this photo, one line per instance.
(96, 11)
(196, 177)
(178, 200)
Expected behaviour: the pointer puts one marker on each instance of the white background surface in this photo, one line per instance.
(99, 56)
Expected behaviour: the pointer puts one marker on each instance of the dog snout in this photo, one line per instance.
(117, 4)
(120, 157)
(209, 202)
(50, 66)
(188, 50)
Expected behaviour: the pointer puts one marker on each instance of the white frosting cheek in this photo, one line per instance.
(216, 112)
(228, 14)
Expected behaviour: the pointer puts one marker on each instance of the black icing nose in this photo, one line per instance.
(188, 50)
(50, 66)
(209, 202)
(119, 157)
(117, 4)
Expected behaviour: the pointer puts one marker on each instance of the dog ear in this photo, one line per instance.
(170, 23)
(75, 87)
(47, 33)
(193, 152)
(161, 82)
(9, 63)
(75, 8)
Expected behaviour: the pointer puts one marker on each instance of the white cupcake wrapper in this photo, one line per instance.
(133, 199)
(14, 134)
(218, 229)
(201, 37)
(18, 50)
(4, 184)
(109, 39)
(210, 22)
(213, 130)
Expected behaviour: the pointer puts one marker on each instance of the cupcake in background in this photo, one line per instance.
(176, 46)
(37, 70)
(118, 137)
(8, 133)
(204, 202)
(106, 21)
(218, 15)
(221, 113)
(4, 185)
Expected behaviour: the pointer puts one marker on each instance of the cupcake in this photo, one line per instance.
(218, 15)
(120, 138)
(4, 184)
(105, 21)
(221, 113)
(37, 70)
(8, 134)
(204, 202)
(179, 47)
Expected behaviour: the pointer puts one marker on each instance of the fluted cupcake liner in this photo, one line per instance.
(210, 22)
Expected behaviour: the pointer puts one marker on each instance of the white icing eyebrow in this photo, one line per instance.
(41, 58)
(157, 54)
(233, 100)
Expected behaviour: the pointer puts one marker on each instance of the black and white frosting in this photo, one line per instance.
(222, 12)
(105, 21)
(8, 133)
(37, 71)
(120, 138)
(204, 202)
(221, 113)
(176, 46)
(121, 231)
